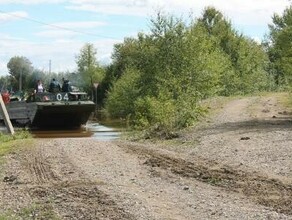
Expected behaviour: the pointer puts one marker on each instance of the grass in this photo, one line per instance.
(34, 211)
(22, 134)
(285, 99)
(10, 143)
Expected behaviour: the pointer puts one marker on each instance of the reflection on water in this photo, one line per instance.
(102, 132)
(92, 129)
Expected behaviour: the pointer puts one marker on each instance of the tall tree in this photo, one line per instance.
(20, 68)
(279, 46)
(38, 75)
(171, 69)
(5, 83)
(88, 67)
(248, 59)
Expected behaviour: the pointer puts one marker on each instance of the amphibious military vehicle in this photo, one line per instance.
(50, 110)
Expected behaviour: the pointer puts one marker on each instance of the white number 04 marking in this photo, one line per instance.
(59, 97)
(66, 98)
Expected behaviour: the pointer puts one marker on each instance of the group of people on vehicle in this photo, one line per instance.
(54, 86)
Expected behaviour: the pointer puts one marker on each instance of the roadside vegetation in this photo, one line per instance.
(31, 212)
(10, 143)
(162, 77)
(158, 80)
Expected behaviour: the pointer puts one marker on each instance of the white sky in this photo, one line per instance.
(23, 31)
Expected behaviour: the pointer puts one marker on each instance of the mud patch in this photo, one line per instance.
(260, 189)
(79, 200)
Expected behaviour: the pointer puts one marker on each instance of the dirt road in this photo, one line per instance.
(237, 164)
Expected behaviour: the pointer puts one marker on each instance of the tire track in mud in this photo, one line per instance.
(67, 190)
(80, 200)
(260, 189)
(41, 170)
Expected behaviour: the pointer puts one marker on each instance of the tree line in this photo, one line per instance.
(157, 80)
(23, 76)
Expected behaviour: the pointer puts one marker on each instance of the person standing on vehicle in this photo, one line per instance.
(66, 87)
(39, 87)
(55, 86)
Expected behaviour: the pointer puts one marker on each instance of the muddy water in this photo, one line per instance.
(91, 129)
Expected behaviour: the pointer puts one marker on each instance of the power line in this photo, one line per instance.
(57, 27)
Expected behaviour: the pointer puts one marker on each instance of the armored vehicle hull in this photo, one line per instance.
(51, 110)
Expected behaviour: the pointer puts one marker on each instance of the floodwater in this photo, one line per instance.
(102, 132)
(93, 130)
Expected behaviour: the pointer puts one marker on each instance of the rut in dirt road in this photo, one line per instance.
(79, 200)
(41, 170)
(262, 190)
(66, 190)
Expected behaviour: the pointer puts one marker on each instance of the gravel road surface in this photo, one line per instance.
(236, 164)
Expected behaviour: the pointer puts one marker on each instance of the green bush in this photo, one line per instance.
(156, 115)
(122, 95)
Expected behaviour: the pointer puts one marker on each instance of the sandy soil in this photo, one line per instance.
(237, 164)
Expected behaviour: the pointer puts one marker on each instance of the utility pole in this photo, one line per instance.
(4, 112)
(95, 86)
(50, 66)
(20, 80)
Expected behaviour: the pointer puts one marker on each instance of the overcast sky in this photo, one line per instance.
(44, 30)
